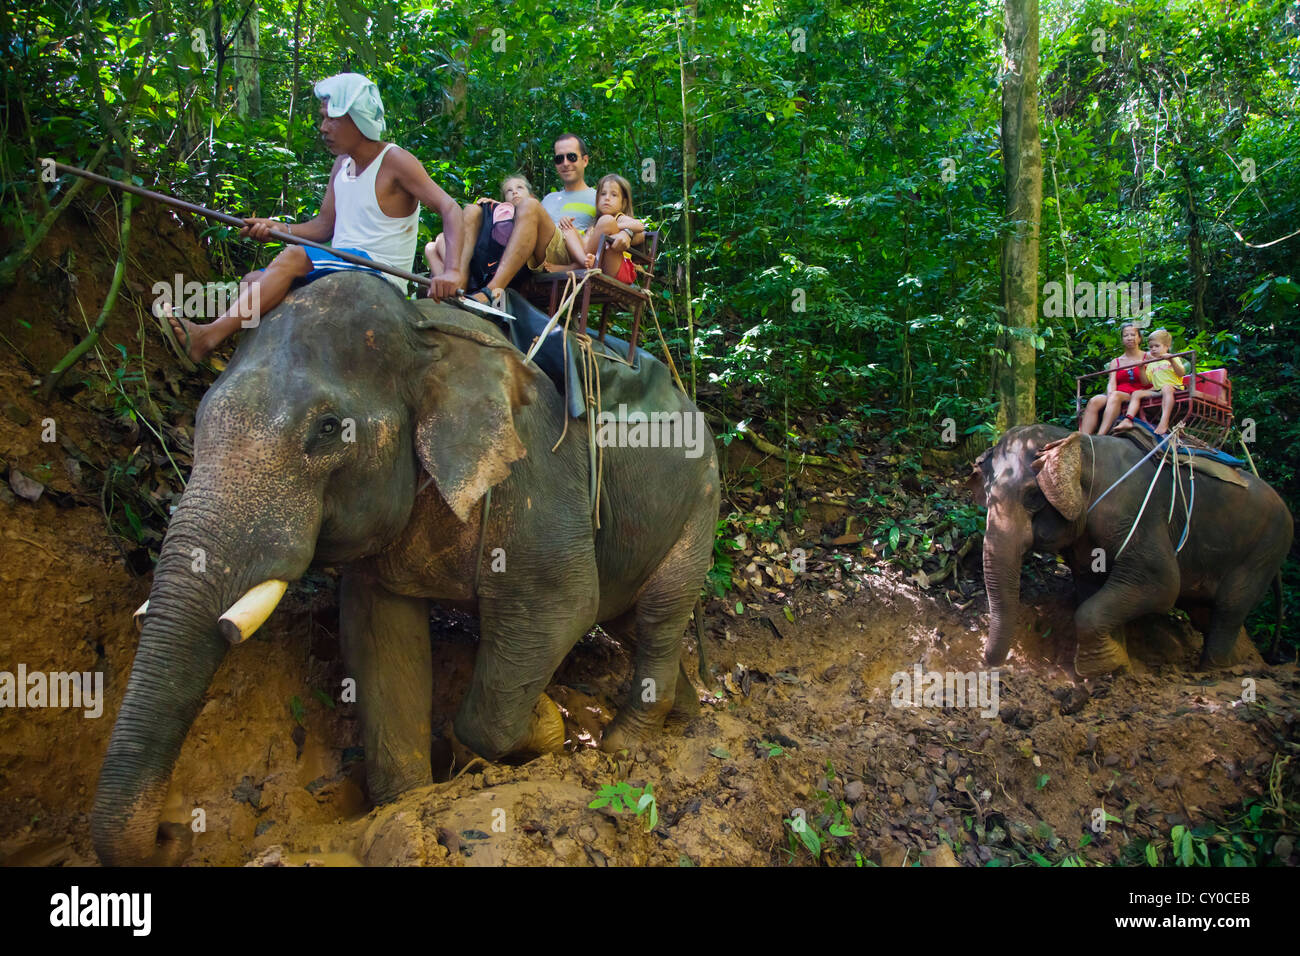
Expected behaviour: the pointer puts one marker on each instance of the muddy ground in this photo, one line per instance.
(804, 719)
(798, 745)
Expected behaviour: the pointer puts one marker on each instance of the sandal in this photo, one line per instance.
(182, 350)
(492, 298)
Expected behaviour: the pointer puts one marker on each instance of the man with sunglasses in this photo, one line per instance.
(577, 200)
(537, 240)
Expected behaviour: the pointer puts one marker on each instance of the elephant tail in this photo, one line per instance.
(1277, 626)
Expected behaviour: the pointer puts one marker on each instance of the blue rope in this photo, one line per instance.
(1127, 473)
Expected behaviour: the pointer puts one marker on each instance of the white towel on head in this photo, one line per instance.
(355, 95)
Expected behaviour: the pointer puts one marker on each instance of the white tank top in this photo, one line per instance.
(359, 223)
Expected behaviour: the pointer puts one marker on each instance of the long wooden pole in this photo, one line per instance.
(422, 281)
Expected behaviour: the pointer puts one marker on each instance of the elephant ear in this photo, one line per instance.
(1060, 476)
(465, 434)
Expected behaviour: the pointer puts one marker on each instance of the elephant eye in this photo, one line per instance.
(1034, 499)
(328, 429)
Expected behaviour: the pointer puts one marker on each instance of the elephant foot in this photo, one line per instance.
(1104, 655)
(546, 733)
(630, 730)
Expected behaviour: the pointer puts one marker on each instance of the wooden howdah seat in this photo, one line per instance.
(546, 289)
(1203, 404)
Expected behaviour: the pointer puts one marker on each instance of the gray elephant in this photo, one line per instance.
(278, 486)
(1038, 498)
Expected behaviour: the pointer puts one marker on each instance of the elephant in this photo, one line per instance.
(1049, 489)
(503, 526)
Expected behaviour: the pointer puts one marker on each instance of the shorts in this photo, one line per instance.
(324, 263)
(557, 253)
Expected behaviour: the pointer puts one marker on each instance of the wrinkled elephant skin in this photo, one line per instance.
(1039, 482)
(355, 430)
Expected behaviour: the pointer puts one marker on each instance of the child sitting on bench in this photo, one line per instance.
(513, 189)
(614, 205)
(1165, 377)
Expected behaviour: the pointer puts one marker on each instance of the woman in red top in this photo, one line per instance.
(1124, 379)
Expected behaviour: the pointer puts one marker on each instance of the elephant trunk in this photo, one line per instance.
(181, 647)
(1006, 540)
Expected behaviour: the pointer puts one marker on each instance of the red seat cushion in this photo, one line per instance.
(1212, 385)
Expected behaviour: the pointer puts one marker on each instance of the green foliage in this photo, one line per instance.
(724, 544)
(1251, 837)
(824, 832)
(622, 797)
(846, 208)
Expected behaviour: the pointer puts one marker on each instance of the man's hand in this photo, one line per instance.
(444, 286)
(619, 242)
(255, 227)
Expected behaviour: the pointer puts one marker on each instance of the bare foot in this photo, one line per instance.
(1123, 425)
(1162, 429)
(191, 337)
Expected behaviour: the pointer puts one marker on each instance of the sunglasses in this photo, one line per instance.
(561, 157)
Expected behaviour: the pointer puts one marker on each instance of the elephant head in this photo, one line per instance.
(308, 448)
(1034, 489)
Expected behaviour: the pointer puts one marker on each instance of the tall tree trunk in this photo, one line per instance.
(1195, 250)
(1022, 161)
(688, 164)
(293, 100)
(455, 101)
(248, 83)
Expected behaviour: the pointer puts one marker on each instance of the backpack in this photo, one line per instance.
(496, 225)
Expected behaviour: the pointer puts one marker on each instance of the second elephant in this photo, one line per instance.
(1040, 499)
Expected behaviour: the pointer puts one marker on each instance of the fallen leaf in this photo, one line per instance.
(24, 487)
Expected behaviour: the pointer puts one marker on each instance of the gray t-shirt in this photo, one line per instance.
(580, 204)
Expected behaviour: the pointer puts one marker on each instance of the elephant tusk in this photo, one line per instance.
(248, 613)
(139, 614)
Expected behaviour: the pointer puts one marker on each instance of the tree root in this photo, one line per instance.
(768, 448)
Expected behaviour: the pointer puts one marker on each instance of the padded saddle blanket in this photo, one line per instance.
(647, 385)
(1206, 461)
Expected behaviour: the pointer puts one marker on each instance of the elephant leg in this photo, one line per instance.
(385, 640)
(522, 643)
(1134, 588)
(660, 683)
(1238, 592)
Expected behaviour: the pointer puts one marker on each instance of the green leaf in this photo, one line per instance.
(789, 614)
(740, 607)
(722, 753)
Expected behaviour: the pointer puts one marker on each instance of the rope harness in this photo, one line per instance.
(591, 396)
(1169, 444)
